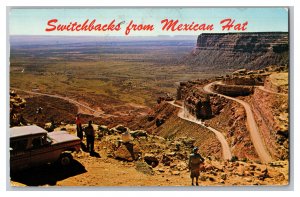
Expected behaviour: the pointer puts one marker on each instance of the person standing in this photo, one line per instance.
(79, 127)
(195, 160)
(90, 137)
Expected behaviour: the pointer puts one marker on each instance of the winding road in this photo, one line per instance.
(252, 126)
(226, 153)
(269, 91)
(78, 104)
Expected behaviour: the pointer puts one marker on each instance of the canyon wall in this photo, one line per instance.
(239, 50)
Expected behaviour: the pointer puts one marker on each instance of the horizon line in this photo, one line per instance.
(147, 35)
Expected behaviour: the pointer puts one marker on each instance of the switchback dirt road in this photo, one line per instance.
(272, 92)
(252, 126)
(226, 153)
(82, 108)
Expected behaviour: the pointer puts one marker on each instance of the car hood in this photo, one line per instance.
(62, 136)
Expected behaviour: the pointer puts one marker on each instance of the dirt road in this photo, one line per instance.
(252, 126)
(82, 108)
(272, 92)
(186, 116)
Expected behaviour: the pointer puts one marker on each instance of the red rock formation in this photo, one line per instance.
(239, 50)
(233, 90)
(269, 110)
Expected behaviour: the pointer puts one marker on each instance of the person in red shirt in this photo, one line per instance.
(79, 127)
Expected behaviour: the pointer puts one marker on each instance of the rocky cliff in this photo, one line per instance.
(233, 90)
(271, 109)
(239, 50)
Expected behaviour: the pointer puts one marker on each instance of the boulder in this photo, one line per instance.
(213, 172)
(230, 169)
(173, 165)
(263, 176)
(166, 160)
(223, 176)
(248, 173)
(240, 171)
(171, 154)
(252, 167)
(138, 133)
(181, 166)
(279, 177)
(151, 160)
(276, 164)
(175, 172)
(121, 128)
(103, 129)
(113, 131)
(127, 152)
(218, 166)
(144, 168)
(211, 179)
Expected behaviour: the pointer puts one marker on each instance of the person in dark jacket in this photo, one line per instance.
(90, 137)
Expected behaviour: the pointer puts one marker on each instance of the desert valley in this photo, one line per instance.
(226, 93)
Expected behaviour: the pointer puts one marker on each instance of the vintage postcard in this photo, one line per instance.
(141, 96)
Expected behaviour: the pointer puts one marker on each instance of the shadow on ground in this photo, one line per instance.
(92, 154)
(47, 174)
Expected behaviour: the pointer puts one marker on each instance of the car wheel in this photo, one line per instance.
(65, 159)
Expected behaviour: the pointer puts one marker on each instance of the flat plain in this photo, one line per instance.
(114, 75)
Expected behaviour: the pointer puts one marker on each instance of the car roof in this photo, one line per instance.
(26, 130)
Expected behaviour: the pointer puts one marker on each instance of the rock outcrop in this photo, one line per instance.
(17, 105)
(277, 83)
(127, 152)
(198, 104)
(271, 109)
(245, 80)
(253, 50)
(233, 90)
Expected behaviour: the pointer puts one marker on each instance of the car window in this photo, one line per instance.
(18, 145)
(37, 142)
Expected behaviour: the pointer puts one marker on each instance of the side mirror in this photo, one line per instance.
(48, 142)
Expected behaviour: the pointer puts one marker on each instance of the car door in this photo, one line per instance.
(19, 154)
(40, 151)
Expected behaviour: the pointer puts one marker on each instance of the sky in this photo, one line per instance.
(33, 21)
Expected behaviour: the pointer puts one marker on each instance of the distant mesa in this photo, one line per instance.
(253, 50)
